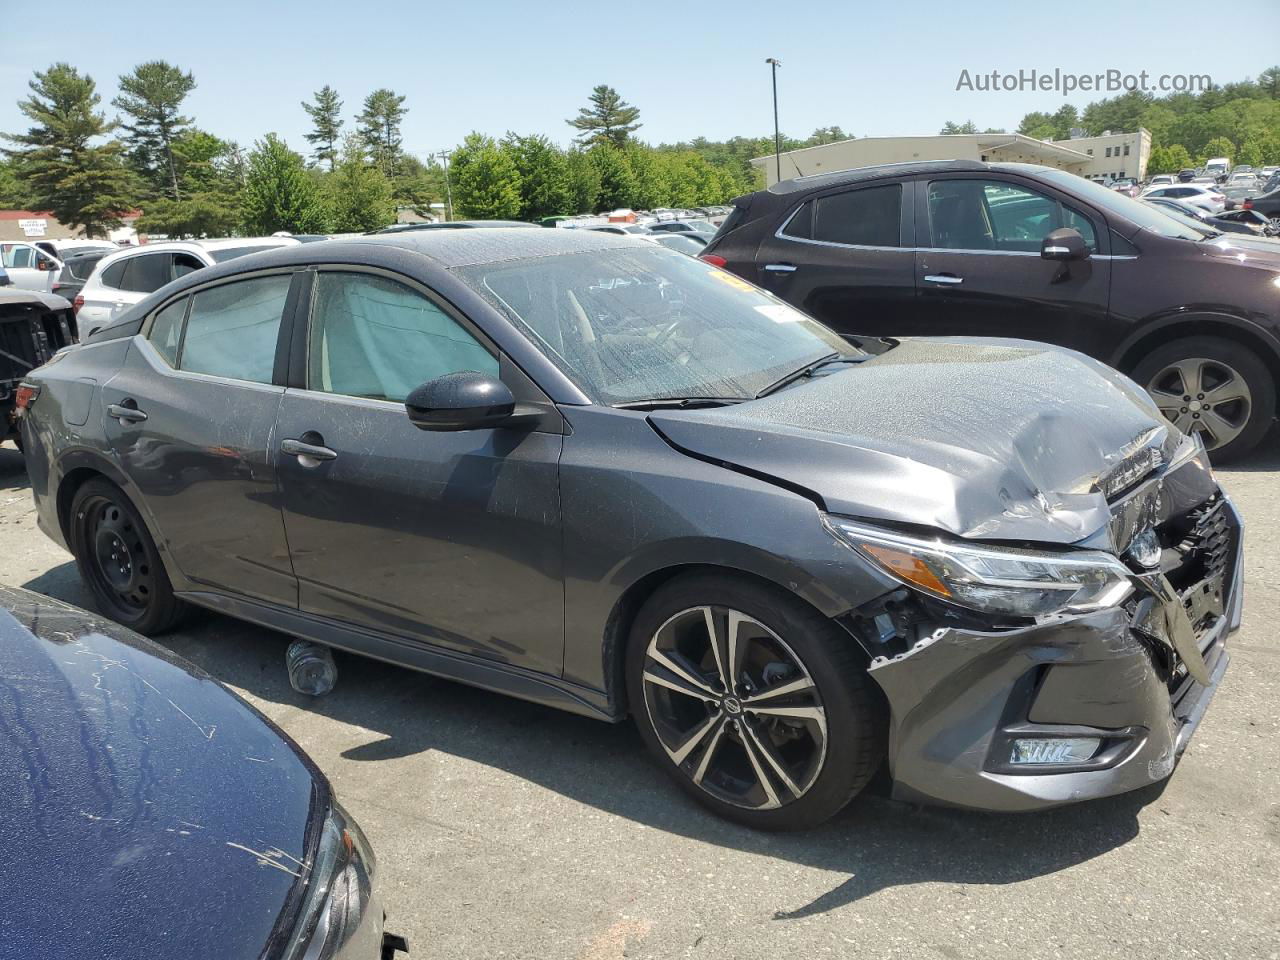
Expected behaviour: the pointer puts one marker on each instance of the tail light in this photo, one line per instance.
(24, 397)
(1247, 205)
(77, 303)
(714, 260)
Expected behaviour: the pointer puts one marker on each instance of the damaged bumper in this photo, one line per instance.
(965, 702)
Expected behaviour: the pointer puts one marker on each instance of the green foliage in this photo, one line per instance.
(419, 184)
(279, 194)
(57, 164)
(326, 123)
(617, 182)
(151, 97)
(584, 182)
(951, 127)
(1168, 159)
(210, 177)
(378, 125)
(607, 119)
(1269, 83)
(13, 194)
(486, 183)
(545, 185)
(359, 194)
(1217, 147)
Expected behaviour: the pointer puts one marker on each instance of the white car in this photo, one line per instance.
(29, 267)
(122, 279)
(1197, 194)
(1161, 180)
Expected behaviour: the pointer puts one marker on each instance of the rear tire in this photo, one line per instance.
(1187, 377)
(749, 750)
(118, 560)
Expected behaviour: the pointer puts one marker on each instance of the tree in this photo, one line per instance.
(617, 182)
(1269, 82)
(486, 183)
(13, 194)
(606, 119)
(151, 97)
(359, 194)
(80, 183)
(279, 194)
(1063, 119)
(1168, 159)
(584, 182)
(545, 189)
(379, 127)
(210, 176)
(950, 127)
(1218, 147)
(326, 122)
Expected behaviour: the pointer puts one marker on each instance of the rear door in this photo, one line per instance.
(191, 418)
(845, 257)
(979, 269)
(450, 540)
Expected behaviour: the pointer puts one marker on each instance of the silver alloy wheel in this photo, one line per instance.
(1275, 223)
(734, 707)
(1208, 396)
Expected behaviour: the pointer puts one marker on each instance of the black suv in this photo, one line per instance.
(33, 327)
(1015, 250)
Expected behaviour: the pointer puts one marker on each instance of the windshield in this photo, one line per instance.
(650, 324)
(1143, 214)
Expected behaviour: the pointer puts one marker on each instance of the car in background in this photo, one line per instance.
(127, 276)
(126, 768)
(962, 248)
(1126, 185)
(4, 277)
(450, 225)
(1273, 183)
(28, 266)
(1268, 204)
(1161, 180)
(1198, 194)
(77, 267)
(65, 247)
(691, 244)
(1201, 217)
(1234, 196)
(684, 226)
(1186, 175)
(34, 326)
(583, 470)
(622, 229)
(1217, 167)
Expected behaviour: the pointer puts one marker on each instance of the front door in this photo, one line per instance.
(29, 268)
(979, 271)
(447, 539)
(190, 416)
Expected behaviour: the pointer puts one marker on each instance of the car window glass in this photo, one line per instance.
(997, 215)
(184, 263)
(373, 337)
(17, 256)
(800, 226)
(147, 273)
(233, 328)
(869, 217)
(166, 330)
(113, 276)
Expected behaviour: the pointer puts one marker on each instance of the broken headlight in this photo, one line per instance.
(339, 884)
(1001, 580)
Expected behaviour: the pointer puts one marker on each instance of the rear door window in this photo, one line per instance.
(113, 276)
(166, 330)
(870, 217)
(147, 272)
(233, 328)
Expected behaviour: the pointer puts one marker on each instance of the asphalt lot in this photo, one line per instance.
(504, 829)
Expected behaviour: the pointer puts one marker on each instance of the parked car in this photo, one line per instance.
(1206, 196)
(28, 266)
(688, 243)
(122, 279)
(160, 812)
(450, 225)
(65, 247)
(33, 327)
(77, 267)
(1217, 167)
(651, 488)
(1161, 179)
(1186, 176)
(1254, 220)
(975, 249)
(622, 229)
(1126, 185)
(4, 277)
(1202, 218)
(1235, 195)
(1268, 204)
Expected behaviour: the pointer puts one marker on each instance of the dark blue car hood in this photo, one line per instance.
(147, 811)
(990, 439)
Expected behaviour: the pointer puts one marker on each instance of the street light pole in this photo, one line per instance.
(448, 190)
(777, 137)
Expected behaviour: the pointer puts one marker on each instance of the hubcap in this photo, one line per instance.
(1203, 396)
(734, 707)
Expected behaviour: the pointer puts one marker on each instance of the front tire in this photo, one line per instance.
(758, 706)
(1215, 387)
(118, 560)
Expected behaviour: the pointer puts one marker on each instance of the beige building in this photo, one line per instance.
(1110, 155)
(34, 225)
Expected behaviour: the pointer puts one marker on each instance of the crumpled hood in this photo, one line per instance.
(1261, 252)
(990, 439)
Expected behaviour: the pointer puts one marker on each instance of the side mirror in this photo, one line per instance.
(1064, 244)
(461, 401)
(44, 263)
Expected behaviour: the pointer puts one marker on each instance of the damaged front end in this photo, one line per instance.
(1019, 679)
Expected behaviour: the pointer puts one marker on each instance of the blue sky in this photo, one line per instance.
(692, 68)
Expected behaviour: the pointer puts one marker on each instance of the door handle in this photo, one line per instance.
(944, 278)
(307, 451)
(126, 412)
(780, 267)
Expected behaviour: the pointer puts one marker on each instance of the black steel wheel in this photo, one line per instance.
(755, 703)
(118, 559)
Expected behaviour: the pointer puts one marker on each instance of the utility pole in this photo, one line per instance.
(777, 137)
(448, 190)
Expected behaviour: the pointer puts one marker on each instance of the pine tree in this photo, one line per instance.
(606, 119)
(279, 193)
(617, 182)
(151, 97)
(379, 127)
(544, 176)
(359, 195)
(210, 176)
(326, 122)
(83, 185)
(486, 183)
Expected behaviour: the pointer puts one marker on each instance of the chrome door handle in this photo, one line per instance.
(125, 414)
(944, 278)
(780, 267)
(306, 451)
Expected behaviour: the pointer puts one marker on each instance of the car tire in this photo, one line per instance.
(1249, 417)
(761, 770)
(118, 560)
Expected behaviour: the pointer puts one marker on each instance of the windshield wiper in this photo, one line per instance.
(677, 403)
(807, 370)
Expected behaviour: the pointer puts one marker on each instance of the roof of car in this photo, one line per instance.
(10, 295)
(839, 177)
(451, 225)
(457, 248)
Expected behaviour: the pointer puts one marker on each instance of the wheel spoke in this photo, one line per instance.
(765, 749)
(1233, 389)
(681, 668)
(816, 714)
(681, 753)
(708, 753)
(717, 647)
(771, 794)
(727, 645)
(675, 683)
(798, 685)
(1219, 428)
(1190, 373)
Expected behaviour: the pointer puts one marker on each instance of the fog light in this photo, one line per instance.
(1055, 750)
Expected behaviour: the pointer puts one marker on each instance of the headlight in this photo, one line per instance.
(1023, 583)
(339, 884)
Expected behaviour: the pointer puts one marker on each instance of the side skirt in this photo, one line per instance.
(486, 674)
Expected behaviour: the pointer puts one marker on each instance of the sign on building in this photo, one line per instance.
(34, 227)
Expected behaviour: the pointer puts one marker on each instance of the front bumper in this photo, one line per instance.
(959, 697)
